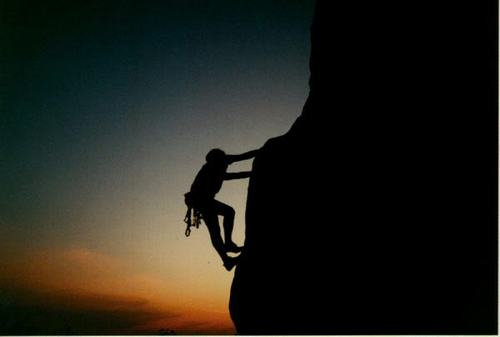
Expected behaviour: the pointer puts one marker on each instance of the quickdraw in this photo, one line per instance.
(193, 218)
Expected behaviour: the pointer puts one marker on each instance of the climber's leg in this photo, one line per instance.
(212, 222)
(228, 223)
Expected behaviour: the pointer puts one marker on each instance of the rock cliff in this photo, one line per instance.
(376, 212)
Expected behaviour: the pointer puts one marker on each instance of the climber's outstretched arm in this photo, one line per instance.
(237, 175)
(231, 158)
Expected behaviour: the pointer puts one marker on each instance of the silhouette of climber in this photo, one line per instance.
(201, 199)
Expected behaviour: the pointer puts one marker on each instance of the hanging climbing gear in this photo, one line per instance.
(192, 219)
(193, 216)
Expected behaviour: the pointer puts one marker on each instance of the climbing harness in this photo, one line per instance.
(193, 216)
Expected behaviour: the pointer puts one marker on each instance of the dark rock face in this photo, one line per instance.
(376, 213)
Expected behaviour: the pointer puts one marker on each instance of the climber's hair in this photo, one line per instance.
(215, 155)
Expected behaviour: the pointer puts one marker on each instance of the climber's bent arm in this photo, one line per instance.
(237, 175)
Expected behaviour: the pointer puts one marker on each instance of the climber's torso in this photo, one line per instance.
(208, 181)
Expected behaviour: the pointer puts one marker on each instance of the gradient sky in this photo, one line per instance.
(107, 109)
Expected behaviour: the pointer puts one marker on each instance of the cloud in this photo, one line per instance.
(56, 312)
(78, 268)
(81, 291)
(29, 311)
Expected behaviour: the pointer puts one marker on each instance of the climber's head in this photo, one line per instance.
(215, 156)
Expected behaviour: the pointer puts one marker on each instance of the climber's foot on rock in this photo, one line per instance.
(230, 263)
(231, 247)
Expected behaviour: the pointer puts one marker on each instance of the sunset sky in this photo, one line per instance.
(107, 109)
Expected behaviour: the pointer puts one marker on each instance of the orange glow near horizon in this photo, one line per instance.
(82, 279)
